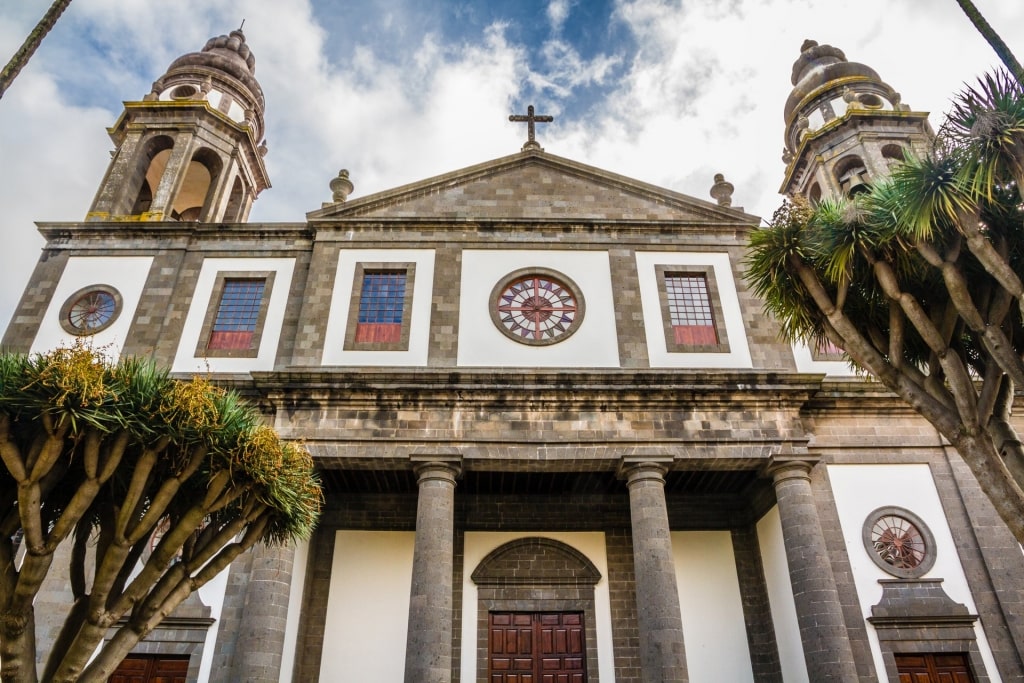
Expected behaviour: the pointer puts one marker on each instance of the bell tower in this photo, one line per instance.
(192, 149)
(844, 126)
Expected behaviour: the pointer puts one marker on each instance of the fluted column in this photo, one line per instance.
(827, 649)
(662, 656)
(428, 649)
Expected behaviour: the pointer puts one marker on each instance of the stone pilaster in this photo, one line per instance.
(819, 612)
(662, 656)
(428, 649)
(260, 642)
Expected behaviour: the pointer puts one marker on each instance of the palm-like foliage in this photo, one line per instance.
(98, 455)
(919, 281)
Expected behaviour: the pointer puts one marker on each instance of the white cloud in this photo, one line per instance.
(558, 12)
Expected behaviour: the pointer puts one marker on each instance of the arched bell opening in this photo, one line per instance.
(814, 194)
(197, 188)
(152, 163)
(893, 154)
(852, 174)
(236, 202)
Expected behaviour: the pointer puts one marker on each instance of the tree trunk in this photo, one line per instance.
(18, 648)
(986, 30)
(31, 44)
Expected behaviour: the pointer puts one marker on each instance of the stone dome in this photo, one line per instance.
(819, 65)
(227, 54)
(826, 85)
(223, 71)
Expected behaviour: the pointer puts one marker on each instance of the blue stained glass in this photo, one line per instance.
(383, 297)
(239, 307)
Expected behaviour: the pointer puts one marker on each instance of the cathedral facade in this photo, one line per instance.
(559, 439)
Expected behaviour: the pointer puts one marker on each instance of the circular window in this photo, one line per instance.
(90, 310)
(870, 101)
(899, 542)
(536, 306)
(184, 92)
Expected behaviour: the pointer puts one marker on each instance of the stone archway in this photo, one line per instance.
(536, 575)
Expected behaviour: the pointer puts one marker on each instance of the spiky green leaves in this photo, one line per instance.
(77, 389)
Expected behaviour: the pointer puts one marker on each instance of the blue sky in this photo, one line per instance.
(398, 90)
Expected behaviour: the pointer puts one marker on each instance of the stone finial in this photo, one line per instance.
(721, 191)
(787, 156)
(341, 187)
(154, 93)
(262, 149)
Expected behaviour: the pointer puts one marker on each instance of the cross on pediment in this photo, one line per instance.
(530, 118)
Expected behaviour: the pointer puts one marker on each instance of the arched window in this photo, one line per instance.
(151, 167)
(197, 187)
(852, 175)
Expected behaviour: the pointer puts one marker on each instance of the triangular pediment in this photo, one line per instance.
(533, 185)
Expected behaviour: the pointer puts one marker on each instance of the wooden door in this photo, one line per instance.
(151, 669)
(934, 668)
(536, 647)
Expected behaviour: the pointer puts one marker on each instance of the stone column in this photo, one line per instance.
(428, 648)
(171, 181)
(826, 643)
(662, 657)
(260, 642)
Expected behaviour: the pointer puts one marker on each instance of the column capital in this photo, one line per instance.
(790, 466)
(438, 467)
(634, 469)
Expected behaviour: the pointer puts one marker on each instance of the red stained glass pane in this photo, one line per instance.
(230, 340)
(379, 332)
(695, 335)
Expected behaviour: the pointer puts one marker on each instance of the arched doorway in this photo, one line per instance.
(535, 613)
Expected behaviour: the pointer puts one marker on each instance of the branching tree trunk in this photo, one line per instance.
(31, 44)
(100, 457)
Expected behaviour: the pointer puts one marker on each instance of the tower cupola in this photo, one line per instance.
(192, 149)
(223, 74)
(844, 125)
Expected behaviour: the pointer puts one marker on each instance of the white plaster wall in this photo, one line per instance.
(419, 321)
(861, 489)
(714, 631)
(212, 594)
(780, 598)
(368, 607)
(291, 629)
(186, 359)
(591, 543)
(805, 363)
(127, 274)
(739, 352)
(594, 344)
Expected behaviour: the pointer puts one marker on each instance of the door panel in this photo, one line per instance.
(933, 668)
(151, 669)
(536, 647)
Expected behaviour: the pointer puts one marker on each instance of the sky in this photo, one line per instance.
(668, 92)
